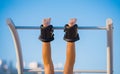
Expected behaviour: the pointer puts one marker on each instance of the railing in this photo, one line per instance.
(108, 28)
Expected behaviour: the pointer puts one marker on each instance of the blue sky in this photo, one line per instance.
(90, 50)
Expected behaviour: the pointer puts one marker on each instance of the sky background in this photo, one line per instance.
(90, 49)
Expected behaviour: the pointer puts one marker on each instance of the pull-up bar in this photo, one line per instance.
(109, 31)
(56, 27)
(60, 28)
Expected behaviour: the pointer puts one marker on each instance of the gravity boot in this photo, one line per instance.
(71, 34)
(46, 34)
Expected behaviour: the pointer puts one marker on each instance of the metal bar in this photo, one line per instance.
(60, 28)
(109, 46)
(76, 71)
(17, 45)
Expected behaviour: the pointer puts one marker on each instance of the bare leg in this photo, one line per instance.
(46, 37)
(70, 58)
(46, 55)
(71, 36)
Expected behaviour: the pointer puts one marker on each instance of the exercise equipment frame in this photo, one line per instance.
(108, 28)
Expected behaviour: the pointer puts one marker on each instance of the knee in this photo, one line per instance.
(49, 69)
(48, 66)
(68, 71)
(69, 66)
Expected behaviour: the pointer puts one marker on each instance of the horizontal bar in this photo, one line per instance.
(60, 28)
(76, 71)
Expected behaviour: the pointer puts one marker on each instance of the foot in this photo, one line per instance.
(71, 33)
(46, 31)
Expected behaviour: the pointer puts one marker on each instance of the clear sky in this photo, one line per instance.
(90, 50)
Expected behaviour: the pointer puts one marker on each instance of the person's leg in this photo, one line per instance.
(46, 55)
(46, 37)
(70, 36)
(70, 58)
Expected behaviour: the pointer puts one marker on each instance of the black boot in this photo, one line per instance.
(71, 34)
(46, 33)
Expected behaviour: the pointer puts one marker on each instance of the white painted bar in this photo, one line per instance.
(109, 26)
(76, 71)
(17, 45)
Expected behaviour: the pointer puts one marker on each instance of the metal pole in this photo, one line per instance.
(17, 45)
(109, 24)
(60, 28)
(75, 71)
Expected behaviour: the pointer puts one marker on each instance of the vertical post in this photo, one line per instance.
(17, 45)
(109, 27)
